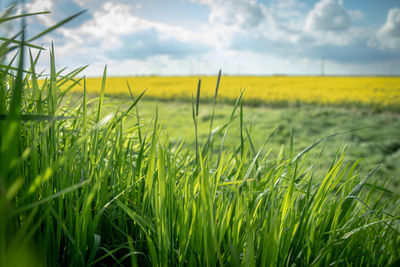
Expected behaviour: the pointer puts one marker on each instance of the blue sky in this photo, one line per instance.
(183, 37)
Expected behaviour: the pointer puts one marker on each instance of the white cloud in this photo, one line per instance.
(229, 19)
(114, 19)
(392, 26)
(39, 6)
(107, 25)
(356, 15)
(388, 36)
(328, 15)
(83, 3)
(114, 32)
(244, 13)
(256, 36)
(322, 26)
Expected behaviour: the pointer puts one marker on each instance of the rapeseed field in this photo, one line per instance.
(379, 92)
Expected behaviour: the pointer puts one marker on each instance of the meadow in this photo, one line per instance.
(374, 139)
(88, 181)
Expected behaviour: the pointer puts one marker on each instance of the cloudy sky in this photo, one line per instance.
(185, 37)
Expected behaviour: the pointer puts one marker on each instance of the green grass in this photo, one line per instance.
(375, 139)
(83, 184)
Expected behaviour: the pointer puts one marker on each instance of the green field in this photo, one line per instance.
(375, 138)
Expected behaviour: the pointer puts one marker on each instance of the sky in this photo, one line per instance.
(199, 37)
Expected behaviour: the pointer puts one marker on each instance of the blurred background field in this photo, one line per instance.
(376, 141)
(312, 107)
(378, 93)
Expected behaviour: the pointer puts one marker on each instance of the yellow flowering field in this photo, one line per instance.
(369, 91)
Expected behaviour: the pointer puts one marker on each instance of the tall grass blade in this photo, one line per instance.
(227, 127)
(4, 19)
(214, 105)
